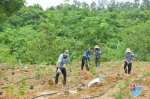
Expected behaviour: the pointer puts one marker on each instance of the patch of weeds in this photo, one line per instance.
(1, 74)
(37, 76)
(13, 92)
(120, 94)
(109, 65)
(10, 90)
(23, 86)
(73, 77)
(147, 73)
(75, 74)
(11, 66)
(40, 72)
(92, 70)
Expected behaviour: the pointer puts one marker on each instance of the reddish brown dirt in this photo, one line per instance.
(74, 74)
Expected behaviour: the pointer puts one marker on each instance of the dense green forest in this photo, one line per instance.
(32, 35)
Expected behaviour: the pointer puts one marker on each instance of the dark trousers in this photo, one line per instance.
(84, 62)
(129, 67)
(97, 60)
(63, 70)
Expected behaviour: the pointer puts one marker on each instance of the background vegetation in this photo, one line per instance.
(33, 35)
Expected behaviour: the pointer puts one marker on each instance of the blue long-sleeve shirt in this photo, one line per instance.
(128, 56)
(87, 53)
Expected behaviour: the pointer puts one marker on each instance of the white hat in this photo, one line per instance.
(128, 50)
(96, 46)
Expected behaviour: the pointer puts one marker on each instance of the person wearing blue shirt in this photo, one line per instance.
(60, 66)
(128, 60)
(85, 58)
(97, 53)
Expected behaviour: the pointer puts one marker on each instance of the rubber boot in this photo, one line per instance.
(126, 71)
(64, 82)
(95, 64)
(129, 73)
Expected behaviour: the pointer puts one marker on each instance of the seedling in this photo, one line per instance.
(31, 86)
(13, 73)
(1, 92)
(42, 82)
(9, 90)
(5, 78)
(11, 66)
(79, 89)
(117, 96)
(20, 88)
(66, 92)
(37, 76)
(23, 86)
(143, 71)
(83, 85)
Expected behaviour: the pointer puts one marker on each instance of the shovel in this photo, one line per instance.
(53, 77)
(127, 63)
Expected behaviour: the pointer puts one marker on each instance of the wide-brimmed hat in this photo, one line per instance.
(128, 50)
(66, 52)
(96, 46)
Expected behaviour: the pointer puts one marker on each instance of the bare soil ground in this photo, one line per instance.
(76, 79)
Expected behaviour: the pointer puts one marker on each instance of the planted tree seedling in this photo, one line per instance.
(21, 88)
(66, 92)
(78, 89)
(1, 92)
(5, 78)
(31, 86)
(42, 82)
(13, 73)
(83, 85)
(118, 74)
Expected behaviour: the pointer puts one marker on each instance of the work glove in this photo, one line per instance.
(58, 71)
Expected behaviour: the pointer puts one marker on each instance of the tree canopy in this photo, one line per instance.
(33, 35)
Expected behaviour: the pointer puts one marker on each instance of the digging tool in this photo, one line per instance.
(54, 75)
(127, 63)
(87, 64)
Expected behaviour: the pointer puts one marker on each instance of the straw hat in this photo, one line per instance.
(66, 52)
(128, 50)
(96, 46)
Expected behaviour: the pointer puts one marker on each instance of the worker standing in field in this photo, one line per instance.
(97, 53)
(60, 66)
(128, 60)
(86, 58)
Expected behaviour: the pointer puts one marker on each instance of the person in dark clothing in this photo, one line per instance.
(86, 58)
(97, 53)
(60, 66)
(128, 60)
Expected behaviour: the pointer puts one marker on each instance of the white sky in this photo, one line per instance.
(47, 3)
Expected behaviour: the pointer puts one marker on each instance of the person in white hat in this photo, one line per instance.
(97, 53)
(60, 66)
(128, 60)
